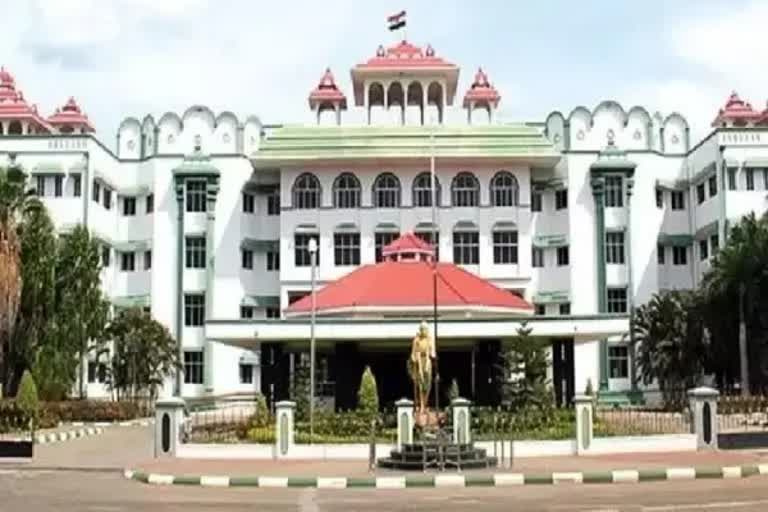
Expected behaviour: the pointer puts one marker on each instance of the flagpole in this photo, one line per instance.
(433, 184)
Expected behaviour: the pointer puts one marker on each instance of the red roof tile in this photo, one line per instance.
(408, 243)
(405, 54)
(409, 284)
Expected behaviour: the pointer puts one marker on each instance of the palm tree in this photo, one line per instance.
(737, 271)
(14, 199)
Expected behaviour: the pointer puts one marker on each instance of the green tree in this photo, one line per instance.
(738, 271)
(15, 198)
(670, 343)
(368, 394)
(143, 352)
(299, 389)
(82, 307)
(26, 399)
(523, 368)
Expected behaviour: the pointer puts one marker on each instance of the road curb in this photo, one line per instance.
(623, 476)
(67, 435)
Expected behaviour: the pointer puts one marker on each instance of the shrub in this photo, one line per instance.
(26, 398)
(368, 394)
(94, 410)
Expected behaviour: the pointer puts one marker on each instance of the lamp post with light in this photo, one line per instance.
(312, 255)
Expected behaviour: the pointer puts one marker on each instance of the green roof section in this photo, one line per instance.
(292, 144)
(196, 164)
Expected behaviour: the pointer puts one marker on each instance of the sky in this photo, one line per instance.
(124, 58)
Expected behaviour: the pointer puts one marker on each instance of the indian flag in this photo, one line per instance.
(396, 21)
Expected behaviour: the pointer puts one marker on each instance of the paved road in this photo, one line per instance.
(59, 491)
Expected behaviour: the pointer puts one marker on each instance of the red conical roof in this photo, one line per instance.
(481, 91)
(71, 115)
(327, 92)
(14, 107)
(736, 111)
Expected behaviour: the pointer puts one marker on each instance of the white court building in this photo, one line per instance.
(205, 219)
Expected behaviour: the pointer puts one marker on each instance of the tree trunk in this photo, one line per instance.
(743, 356)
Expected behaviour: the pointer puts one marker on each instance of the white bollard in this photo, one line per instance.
(461, 421)
(584, 423)
(404, 422)
(284, 428)
(703, 407)
(169, 425)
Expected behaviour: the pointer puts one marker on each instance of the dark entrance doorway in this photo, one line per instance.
(563, 378)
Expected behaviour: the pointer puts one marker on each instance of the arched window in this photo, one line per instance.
(306, 192)
(14, 128)
(386, 191)
(465, 190)
(422, 190)
(346, 191)
(504, 189)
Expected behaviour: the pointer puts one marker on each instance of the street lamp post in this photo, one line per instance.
(312, 255)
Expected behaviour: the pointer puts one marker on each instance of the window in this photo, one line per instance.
(618, 362)
(679, 255)
(273, 203)
(678, 200)
(422, 190)
(346, 191)
(195, 200)
(105, 251)
(96, 192)
(714, 241)
(273, 261)
(660, 253)
(193, 367)
(565, 308)
(301, 249)
(97, 372)
(194, 309)
(750, 179)
(77, 186)
(659, 198)
(701, 195)
(562, 256)
(535, 201)
(272, 312)
(731, 178)
(504, 190)
(703, 249)
(147, 260)
(246, 259)
(127, 261)
(58, 182)
(431, 238)
(712, 186)
(129, 205)
(465, 190)
(466, 247)
(346, 249)
(505, 247)
(617, 300)
(614, 188)
(540, 309)
(614, 247)
(246, 373)
(247, 312)
(561, 199)
(306, 192)
(194, 256)
(107, 198)
(386, 191)
(249, 202)
(383, 239)
(150, 203)
(537, 257)
(40, 185)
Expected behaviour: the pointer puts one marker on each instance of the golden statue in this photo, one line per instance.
(420, 370)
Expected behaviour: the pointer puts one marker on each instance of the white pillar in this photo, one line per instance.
(461, 421)
(169, 425)
(367, 100)
(404, 422)
(703, 408)
(284, 428)
(425, 98)
(584, 422)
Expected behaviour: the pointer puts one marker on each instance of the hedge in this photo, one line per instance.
(51, 414)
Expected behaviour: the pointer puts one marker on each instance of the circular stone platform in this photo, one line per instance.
(421, 456)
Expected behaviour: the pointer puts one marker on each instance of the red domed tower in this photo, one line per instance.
(71, 119)
(327, 96)
(17, 117)
(481, 95)
(736, 112)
